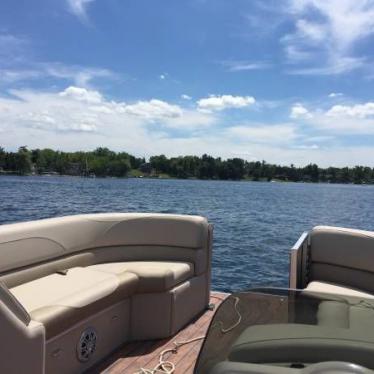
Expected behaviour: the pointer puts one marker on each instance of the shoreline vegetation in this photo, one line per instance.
(103, 162)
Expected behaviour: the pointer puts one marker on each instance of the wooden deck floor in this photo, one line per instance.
(133, 356)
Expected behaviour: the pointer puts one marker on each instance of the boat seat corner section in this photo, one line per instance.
(75, 288)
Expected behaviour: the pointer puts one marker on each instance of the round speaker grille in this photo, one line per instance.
(87, 344)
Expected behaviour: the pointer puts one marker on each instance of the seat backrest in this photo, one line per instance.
(29, 250)
(342, 256)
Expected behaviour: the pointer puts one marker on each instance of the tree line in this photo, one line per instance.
(103, 162)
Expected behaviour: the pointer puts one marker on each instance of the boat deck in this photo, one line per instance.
(131, 357)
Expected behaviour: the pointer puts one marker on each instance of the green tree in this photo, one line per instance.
(23, 161)
(2, 158)
(118, 168)
(160, 163)
(207, 168)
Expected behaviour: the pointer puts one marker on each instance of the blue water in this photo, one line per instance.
(255, 223)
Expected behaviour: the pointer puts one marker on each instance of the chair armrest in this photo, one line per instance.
(13, 304)
(23, 340)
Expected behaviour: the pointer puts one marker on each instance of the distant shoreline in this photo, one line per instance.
(102, 162)
(263, 180)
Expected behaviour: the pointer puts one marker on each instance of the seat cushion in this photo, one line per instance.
(342, 306)
(303, 343)
(331, 288)
(154, 276)
(58, 301)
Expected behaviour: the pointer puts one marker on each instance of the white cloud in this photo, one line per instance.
(79, 109)
(79, 8)
(354, 111)
(340, 120)
(299, 111)
(82, 94)
(268, 134)
(330, 36)
(306, 146)
(236, 66)
(295, 55)
(80, 75)
(17, 63)
(321, 138)
(314, 32)
(11, 76)
(340, 126)
(186, 97)
(153, 109)
(190, 120)
(81, 119)
(12, 49)
(10, 41)
(334, 66)
(335, 94)
(217, 103)
(46, 112)
(55, 119)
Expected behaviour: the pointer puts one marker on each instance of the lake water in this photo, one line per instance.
(255, 223)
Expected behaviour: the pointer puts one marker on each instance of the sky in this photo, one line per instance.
(286, 81)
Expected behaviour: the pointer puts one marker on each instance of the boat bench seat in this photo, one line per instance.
(154, 276)
(112, 278)
(63, 299)
(59, 301)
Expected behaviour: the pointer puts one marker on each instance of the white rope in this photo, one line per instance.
(228, 329)
(165, 366)
(168, 367)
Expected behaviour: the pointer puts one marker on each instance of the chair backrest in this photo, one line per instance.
(29, 250)
(343, 256)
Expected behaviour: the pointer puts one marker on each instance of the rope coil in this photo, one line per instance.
(165, 366)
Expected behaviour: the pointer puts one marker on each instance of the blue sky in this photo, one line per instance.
(286, 81)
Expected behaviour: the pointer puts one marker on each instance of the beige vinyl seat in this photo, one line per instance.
(289, 343)
(60, 300)
(340, 330)
(154, 276)
(334, 260)
(116, 277)
(334, 267)
(336, 289)
(342, 307)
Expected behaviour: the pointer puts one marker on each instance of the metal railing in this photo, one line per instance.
(296, 261)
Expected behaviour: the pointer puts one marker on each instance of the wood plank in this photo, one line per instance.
(125, 361)
(108, 365)
(133, 356)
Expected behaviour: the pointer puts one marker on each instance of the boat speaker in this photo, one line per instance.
(87, 344)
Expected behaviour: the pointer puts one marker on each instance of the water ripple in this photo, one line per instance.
(255, 223)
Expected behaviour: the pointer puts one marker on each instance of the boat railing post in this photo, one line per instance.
(296, 255)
